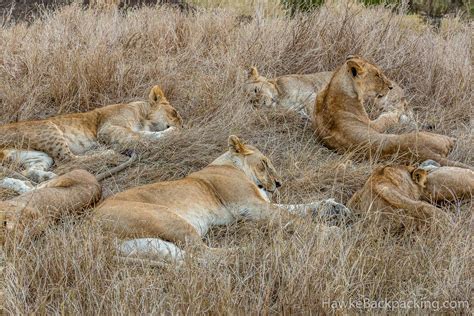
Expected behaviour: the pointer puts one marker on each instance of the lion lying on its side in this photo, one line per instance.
(163, 216)
(342, 123)
(68, 136)
(401, 193)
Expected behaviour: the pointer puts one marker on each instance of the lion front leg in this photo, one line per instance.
(157, 135)
(327, 210)
(414, 208)
(386, 121)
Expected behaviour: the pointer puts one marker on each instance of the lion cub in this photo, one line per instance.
(393, 197)
(447, 183)
(34, 144)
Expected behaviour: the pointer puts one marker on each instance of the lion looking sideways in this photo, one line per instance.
(342, 123)
(165, 216)
(66, 136)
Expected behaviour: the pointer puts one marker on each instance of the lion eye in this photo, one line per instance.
(354, 71)
(256, 90)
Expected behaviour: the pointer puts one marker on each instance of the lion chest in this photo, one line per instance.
(203, 218)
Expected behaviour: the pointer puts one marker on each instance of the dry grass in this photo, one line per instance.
(78, 60)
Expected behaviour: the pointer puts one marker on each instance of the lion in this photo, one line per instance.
(404, 193)
(37, 207)
(446, 184)
(34, 144)
(163, 217)
(341, 122)
(298, 92)
(393, 196)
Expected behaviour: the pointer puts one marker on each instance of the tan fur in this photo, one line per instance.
(392, 195)
(235, 185)
(172, 210)
(298, 92)
(65, 136)
(449, 184)
(67, 194)
(342, 123)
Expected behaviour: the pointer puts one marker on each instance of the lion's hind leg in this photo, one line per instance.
(35, 163)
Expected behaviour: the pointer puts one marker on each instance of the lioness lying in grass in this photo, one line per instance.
(397, 196)
(165, 216)
(341, 122)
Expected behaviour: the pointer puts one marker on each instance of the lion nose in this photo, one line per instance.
(390, 87)
(278, 184)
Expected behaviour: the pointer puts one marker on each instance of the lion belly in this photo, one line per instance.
(79, 140)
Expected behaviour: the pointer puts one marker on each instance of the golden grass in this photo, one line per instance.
(76, 60)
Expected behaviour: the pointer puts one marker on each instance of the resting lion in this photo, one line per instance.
(298, 92)
(392, 196)
(163, 217)
(39, 206)
(69, 135)
(401, 193)
(68, 193)
(341, 122)
(447, 183)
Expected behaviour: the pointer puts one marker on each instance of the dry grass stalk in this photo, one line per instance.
(76, 60)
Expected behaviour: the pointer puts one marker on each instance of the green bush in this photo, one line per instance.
(294, 6)
(432, 8)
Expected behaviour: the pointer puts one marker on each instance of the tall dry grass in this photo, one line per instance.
(76, 60)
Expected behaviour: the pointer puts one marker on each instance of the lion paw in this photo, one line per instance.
(331, 211)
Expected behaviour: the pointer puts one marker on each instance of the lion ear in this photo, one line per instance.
(353, 56)
(355, 67)
(236, 146)
(253, 73)
(156, 94)
(419, 176)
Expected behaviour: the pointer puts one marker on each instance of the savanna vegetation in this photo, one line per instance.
(77, 59)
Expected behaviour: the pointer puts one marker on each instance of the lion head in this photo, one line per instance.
(261, 91)
(161, 115)
(366, 79)
(253, 163)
